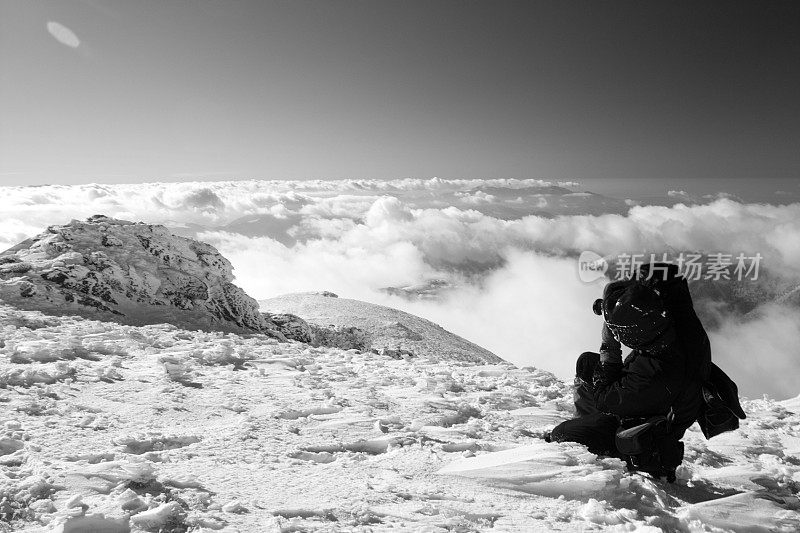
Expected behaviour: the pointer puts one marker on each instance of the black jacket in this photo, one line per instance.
(646, 385)
(649, 384)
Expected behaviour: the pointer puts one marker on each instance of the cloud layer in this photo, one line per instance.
(506, 248)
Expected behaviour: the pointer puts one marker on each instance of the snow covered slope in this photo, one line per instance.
(113, 428)
(386, 328)
(135, 274)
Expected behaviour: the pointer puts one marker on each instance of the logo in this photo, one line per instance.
(591, 267)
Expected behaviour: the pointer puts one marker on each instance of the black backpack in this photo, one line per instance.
(720, 410)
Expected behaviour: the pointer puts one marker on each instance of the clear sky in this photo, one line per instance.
(122, 91)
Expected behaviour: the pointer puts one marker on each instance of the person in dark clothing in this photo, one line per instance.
(654, 316)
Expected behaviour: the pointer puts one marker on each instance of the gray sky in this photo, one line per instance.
(171, 90)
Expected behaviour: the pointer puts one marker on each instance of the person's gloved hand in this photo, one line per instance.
(610, 348)
(585, 366)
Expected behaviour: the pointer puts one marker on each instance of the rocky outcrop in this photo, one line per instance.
(136, 274)
(292, 326)
(429, 290)
(344, 337)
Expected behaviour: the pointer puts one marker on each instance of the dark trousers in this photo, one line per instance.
(592, 428)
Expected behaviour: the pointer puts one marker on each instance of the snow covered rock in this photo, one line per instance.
(131, 273)
(344, 337)
(292, 326)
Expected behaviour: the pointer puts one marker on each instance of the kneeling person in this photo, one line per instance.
(655, 394)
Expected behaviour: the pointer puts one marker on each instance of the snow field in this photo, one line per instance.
(113, 428)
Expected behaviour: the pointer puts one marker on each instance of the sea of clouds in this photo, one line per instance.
(505, 251)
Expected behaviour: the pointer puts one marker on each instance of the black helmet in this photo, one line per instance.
(636, 315)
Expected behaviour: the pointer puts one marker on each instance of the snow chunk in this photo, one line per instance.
(147, 442)
(543, 468)
(95, 523)
(599, 512)
(156, 518)
(115, 473)
(750, 511)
